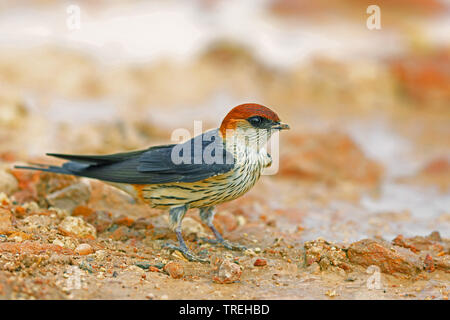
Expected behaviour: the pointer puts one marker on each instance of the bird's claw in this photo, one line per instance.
(225, 243)
(185, 252)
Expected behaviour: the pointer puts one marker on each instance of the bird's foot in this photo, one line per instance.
(225, 243)
(185, 252)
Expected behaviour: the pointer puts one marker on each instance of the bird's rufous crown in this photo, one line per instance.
(245, 111)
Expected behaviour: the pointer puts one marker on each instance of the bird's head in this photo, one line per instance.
(253, 121)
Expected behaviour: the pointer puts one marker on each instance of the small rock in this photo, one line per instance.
(84, 249)
(70, 242)
(241, 221)
(58, 242)
(83, 211)
(5, 221)
(135, 268)
(250, 252)
(124, 233)
(124, 220)
(429, 264)
(419, 243)
(325, 254)
(8, 184)
(101, 220)
(143, 265)
(390, 259)
(314, 268)
(76, 226)
(70, 197)
(142, 223)
(36, 223)
(4, 199)
(84, 265)
(153, 269)
(260, 263)
(442, 263)
(49, 183)
(27, 185)
(228, 272)
(174, 269)
(100, 254)
(434, 236)
(190, 226)
(226, 220)
(331, 293)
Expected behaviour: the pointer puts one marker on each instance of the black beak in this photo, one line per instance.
(280, 126)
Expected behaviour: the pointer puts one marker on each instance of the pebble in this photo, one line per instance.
(58, 242)
(143, 265)
(190, 226)
(250, 252)
(331, 293)
(124, 220)
(260, 263)
(8, 183)
(241, 221)
(101, 220)
(4, 198)
(70, 197)
(76, 226)
(5, 221)
(174, 269)
(84, 265)
(228, 272)
(100, 254)
(84, 249)
(429, 264)
(226, 220)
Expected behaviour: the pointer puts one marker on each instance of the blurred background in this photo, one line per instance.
(368, 153)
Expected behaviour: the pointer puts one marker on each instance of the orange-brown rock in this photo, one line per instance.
(328, 157)
(389, 258)
(260, 262)
(174, 269)
(6, 226)
(227, 272)
(84, 249)
(77, 227)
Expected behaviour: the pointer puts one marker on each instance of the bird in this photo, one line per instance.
(216, 166)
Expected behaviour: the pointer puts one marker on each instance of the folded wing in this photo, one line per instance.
(197, 159)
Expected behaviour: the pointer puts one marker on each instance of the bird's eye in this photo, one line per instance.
(255, 121)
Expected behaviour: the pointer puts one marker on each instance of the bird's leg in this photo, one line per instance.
(207, 216)
(176, 216)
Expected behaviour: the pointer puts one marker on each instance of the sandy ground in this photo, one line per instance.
(357, 209)
(70, 238)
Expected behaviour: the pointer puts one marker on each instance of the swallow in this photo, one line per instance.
(214, 167)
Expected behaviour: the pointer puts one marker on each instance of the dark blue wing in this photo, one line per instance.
(199, 158)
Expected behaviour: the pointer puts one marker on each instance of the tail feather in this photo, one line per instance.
(54, 169)
(97, 159)
(112, 168)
